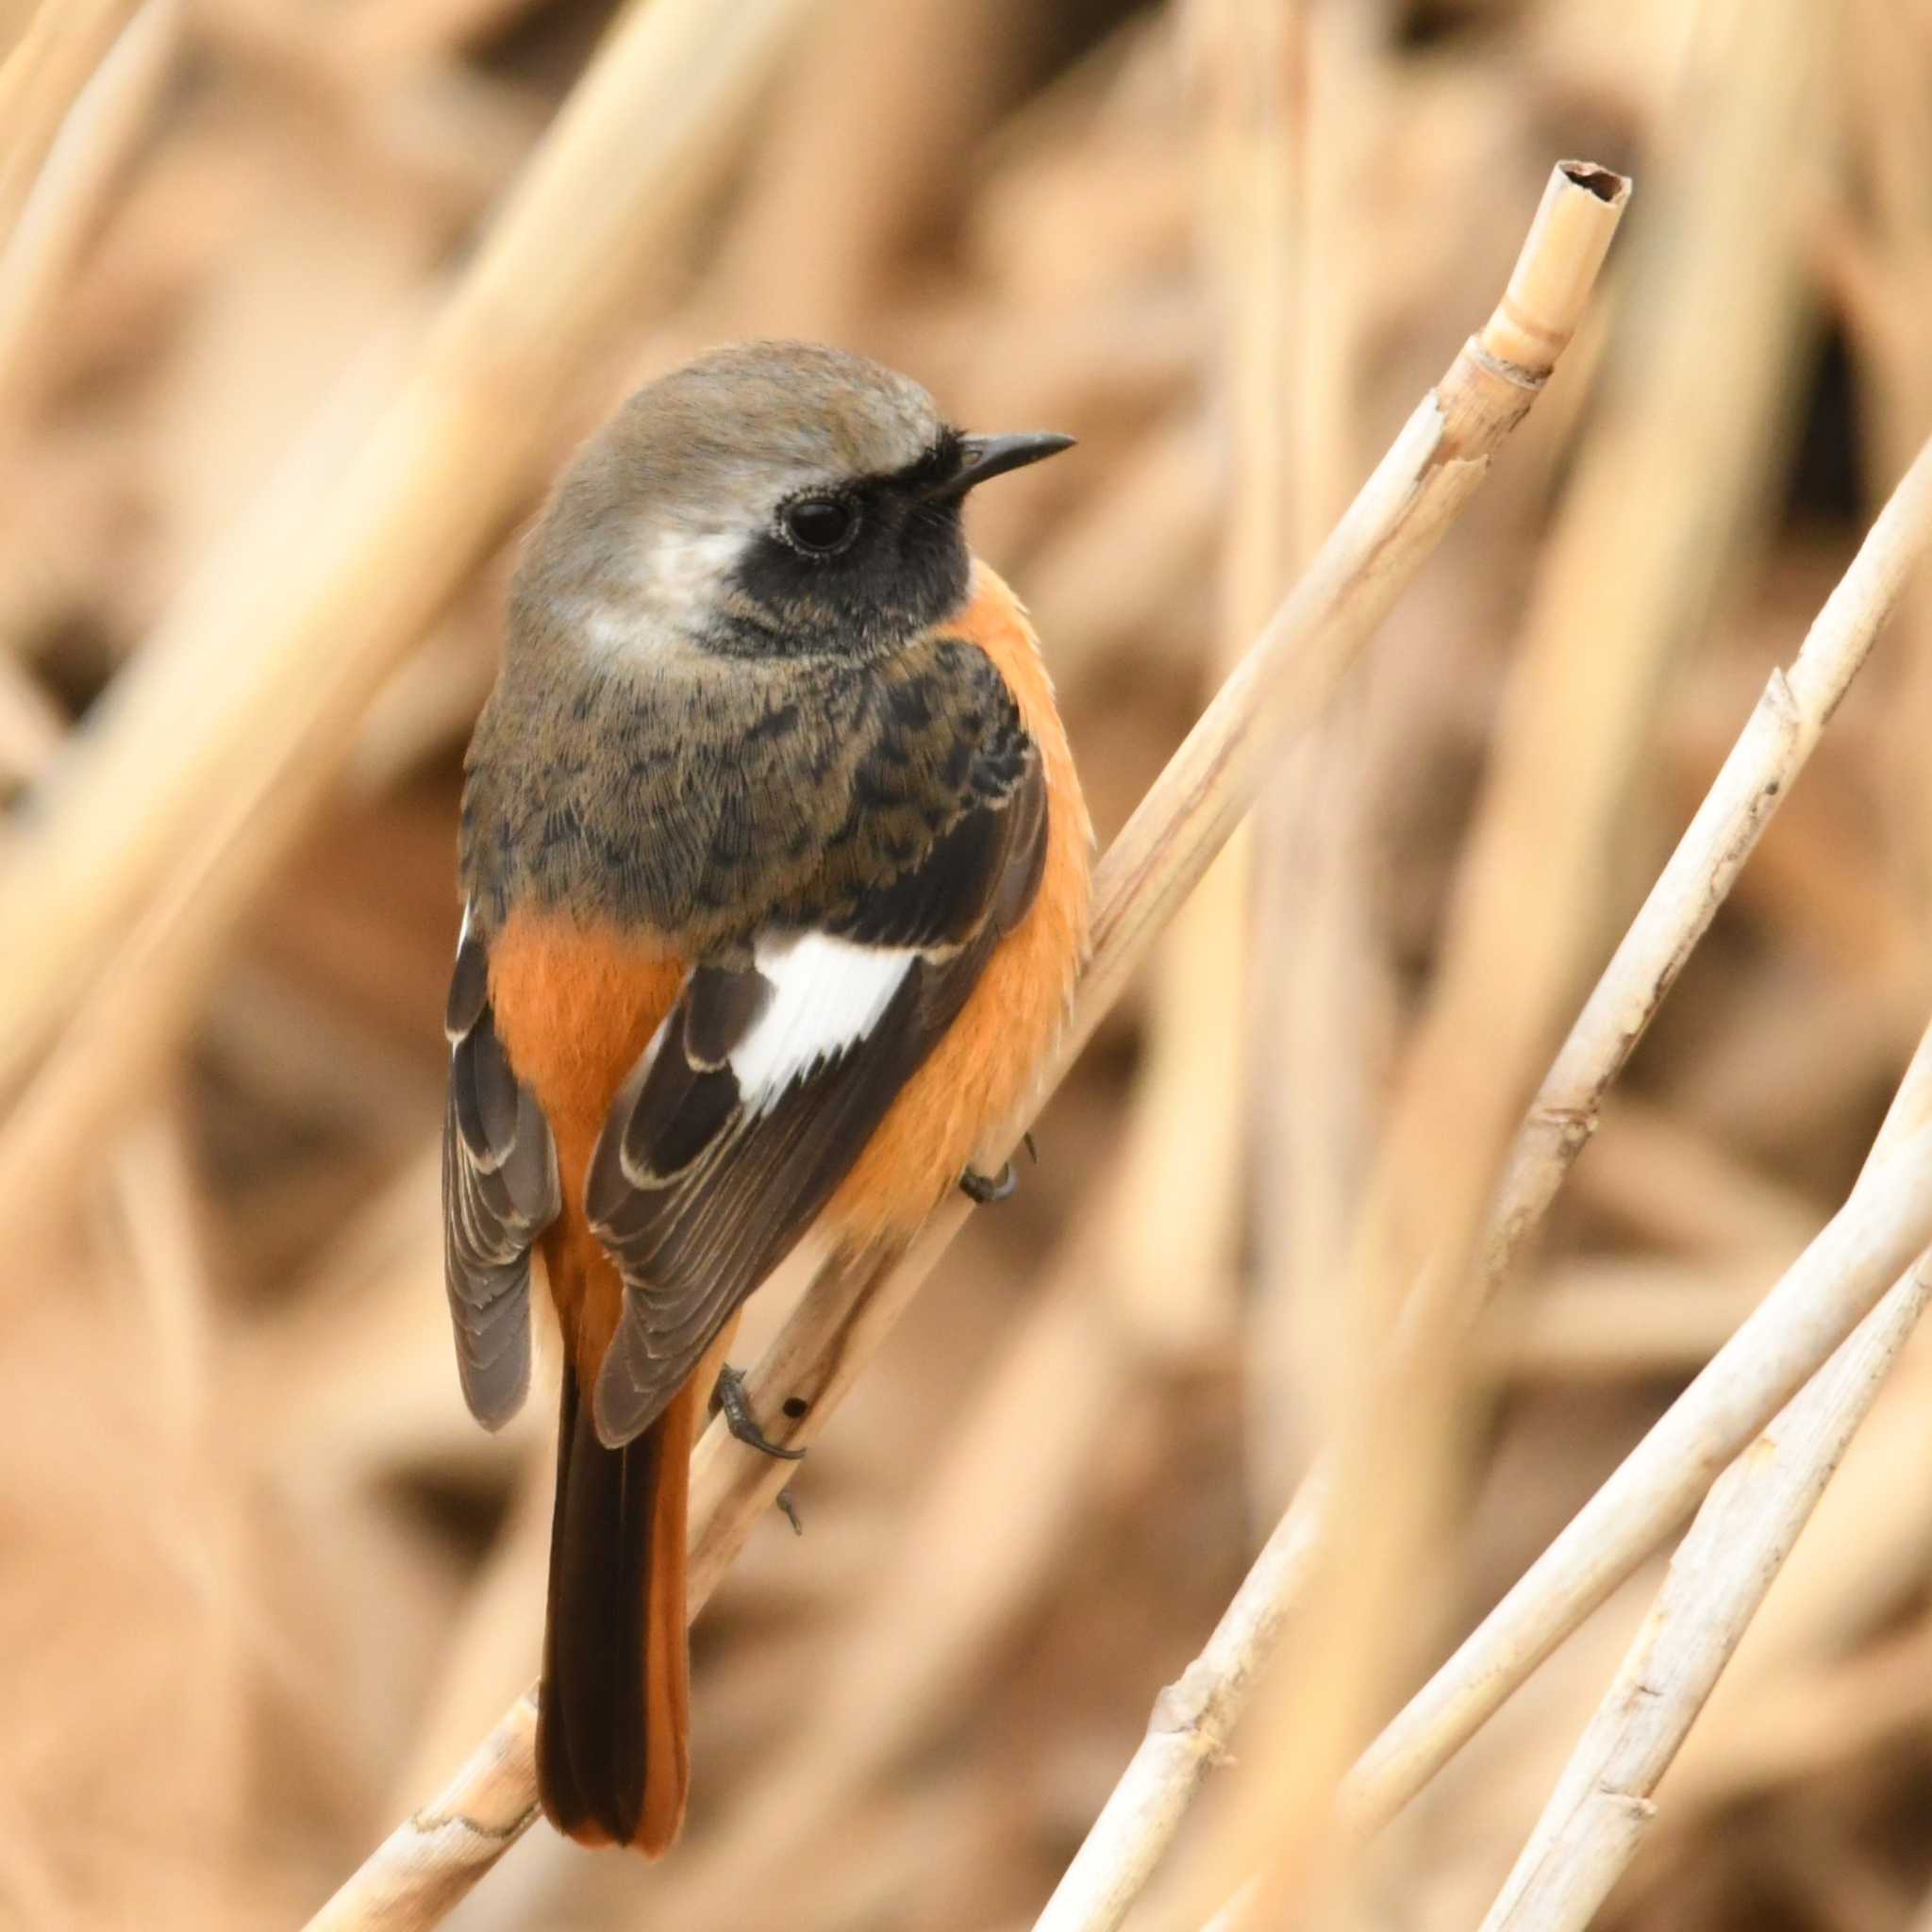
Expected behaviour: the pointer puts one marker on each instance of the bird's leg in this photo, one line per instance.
(728, 1399)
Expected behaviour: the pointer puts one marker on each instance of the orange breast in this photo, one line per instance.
(980, 1072)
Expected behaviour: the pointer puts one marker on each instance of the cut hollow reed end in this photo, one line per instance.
(1557, 268)
(1441, 456)
(1437, 460)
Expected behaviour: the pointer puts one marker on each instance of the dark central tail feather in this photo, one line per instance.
(612, 1729)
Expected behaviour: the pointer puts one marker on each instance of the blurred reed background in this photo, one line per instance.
(264, 1583)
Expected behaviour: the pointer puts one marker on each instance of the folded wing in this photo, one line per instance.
(499, 1193)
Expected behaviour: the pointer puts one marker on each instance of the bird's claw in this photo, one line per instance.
(729, 1397)
(977, 1186)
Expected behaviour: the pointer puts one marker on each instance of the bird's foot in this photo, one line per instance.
(977, 1186)
(729, 1398)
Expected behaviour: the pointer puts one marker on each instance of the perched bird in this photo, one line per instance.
(776, 870)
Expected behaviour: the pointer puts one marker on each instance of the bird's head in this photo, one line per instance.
(769, 499)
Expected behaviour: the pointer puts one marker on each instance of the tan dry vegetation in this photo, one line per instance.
(292, 334)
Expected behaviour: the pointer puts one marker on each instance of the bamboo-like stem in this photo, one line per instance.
(1171, 1247)
(1523, 922)
(65, 43)
(1594, 1821)
(1884, 1226)
(1513, 961)
(1776, 745)
(1880, 262)
(1438, 457)
(1436, 461)
(1313, 997)
(1596, 1817)
(1191, 1729)
(1146, 1807)
(65, 199)
(301, 623)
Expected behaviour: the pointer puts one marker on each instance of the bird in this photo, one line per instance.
(775, 875)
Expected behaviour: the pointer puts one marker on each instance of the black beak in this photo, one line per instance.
(992, 456)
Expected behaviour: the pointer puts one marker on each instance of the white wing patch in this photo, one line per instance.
(829, 994)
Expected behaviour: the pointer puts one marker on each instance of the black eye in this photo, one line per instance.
(819, 524)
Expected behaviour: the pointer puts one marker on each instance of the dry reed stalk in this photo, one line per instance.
(1810, 1725)
(43, 75)
(1776, 745)
(1191, 1729)
(1858, 1571)
(1146, 1807)
(863, 157)
(1170, 1255)
(1315, 996)
(1714, 285)
(1885, 1223)
(31, 727)
(1731, 1204)
(108, 117)
(1525, 911)
(1521, 926)
(1605, 1321)
(153, 1179)
(1880, 261)
(1718, 1579)
(1438, 461)
(299, 624)
(1734, 1551)
(443, 144)
(1536, 319)
(1527, 908)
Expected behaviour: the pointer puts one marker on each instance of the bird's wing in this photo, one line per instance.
(499, 1192)
(776, 1064)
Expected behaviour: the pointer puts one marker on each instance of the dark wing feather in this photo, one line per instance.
(499, 1192)
(696, 1197)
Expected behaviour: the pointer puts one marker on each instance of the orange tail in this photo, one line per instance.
(613, 1726)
